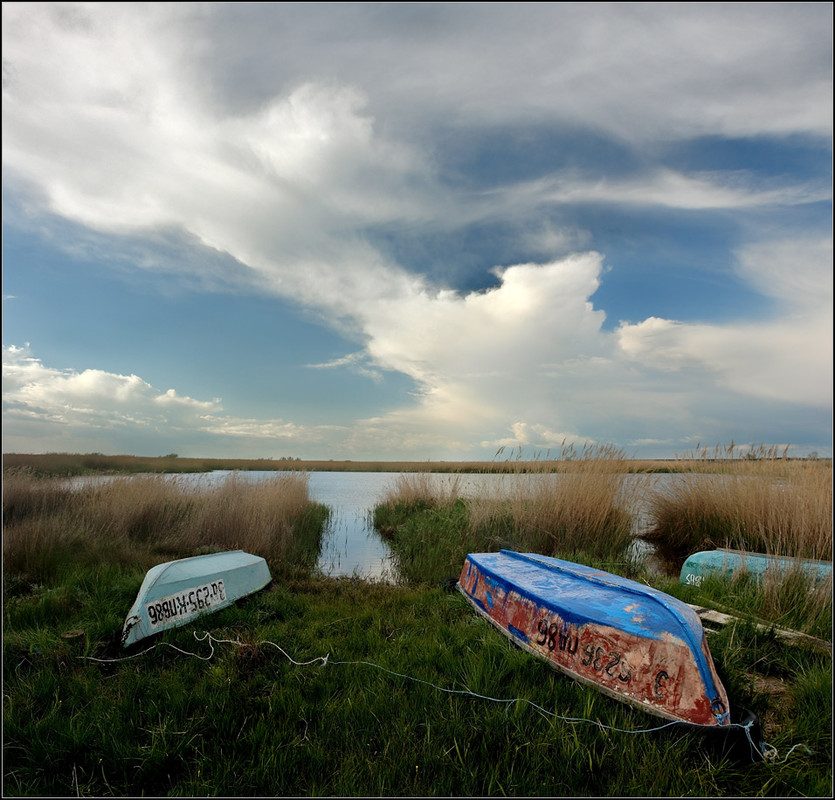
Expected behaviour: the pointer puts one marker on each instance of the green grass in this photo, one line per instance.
(248, 722)
(399, 718)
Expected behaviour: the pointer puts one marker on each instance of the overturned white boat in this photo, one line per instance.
(177, 592)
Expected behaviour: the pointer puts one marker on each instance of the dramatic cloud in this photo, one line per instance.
(787, 358)
(91, 399)
(305, 151)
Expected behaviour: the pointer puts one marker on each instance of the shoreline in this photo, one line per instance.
(98, 463)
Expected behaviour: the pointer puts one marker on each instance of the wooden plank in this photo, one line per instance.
(783, 634)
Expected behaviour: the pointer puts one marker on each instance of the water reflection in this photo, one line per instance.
(350, 545)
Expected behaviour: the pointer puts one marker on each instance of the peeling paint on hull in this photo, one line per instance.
(632, 642)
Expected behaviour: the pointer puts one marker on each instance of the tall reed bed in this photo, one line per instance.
(765, 505)
(49, 524)
(762, 504)
(586, 507)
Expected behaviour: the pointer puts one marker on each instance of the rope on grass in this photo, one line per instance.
(767, 752)
(771, 753)
(205, 637)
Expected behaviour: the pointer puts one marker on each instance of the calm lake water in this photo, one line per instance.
(350, 545)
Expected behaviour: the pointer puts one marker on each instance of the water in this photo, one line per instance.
(350, 544)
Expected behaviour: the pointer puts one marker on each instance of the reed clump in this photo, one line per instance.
(766, 505)
(585, 505)
(50, 524)
(411, 494)
(424, 520)
(583, 502)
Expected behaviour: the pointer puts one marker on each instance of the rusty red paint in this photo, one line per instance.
(658, 673)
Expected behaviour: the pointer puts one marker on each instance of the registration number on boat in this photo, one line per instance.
(186, 603)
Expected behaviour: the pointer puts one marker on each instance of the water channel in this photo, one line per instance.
(350, 544)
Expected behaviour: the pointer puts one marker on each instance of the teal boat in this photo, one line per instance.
(726, 562)
(178, 592)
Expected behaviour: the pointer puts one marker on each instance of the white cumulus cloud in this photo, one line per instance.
(116, 118)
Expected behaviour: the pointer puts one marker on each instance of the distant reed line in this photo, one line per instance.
(568, 458)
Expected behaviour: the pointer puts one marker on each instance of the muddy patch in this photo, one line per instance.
(781, 706)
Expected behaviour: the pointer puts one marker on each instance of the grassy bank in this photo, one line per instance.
(580, 512)
(248, 722)
(402, 706)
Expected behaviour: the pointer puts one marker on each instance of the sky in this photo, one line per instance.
(416, 231)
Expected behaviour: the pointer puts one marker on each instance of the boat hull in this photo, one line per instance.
(631, 642)
(725, 562)
(178, 592)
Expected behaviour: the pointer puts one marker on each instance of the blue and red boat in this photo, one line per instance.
(630, 641)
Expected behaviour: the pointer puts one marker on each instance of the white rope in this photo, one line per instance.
(767, 752)
(771, 753)
(323, 659)
(500, 699)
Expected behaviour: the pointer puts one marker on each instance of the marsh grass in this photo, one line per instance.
(584, 507)
(247, 722)
(793, 601)
(67, 464)
(375, 721)
(786, 599)
(50, 526)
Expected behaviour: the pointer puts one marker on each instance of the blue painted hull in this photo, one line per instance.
(725, 562)
(632, 642)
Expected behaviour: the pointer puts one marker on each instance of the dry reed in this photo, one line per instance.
(578, 502)
(420, 489)
(48, 523)
(768, 506)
